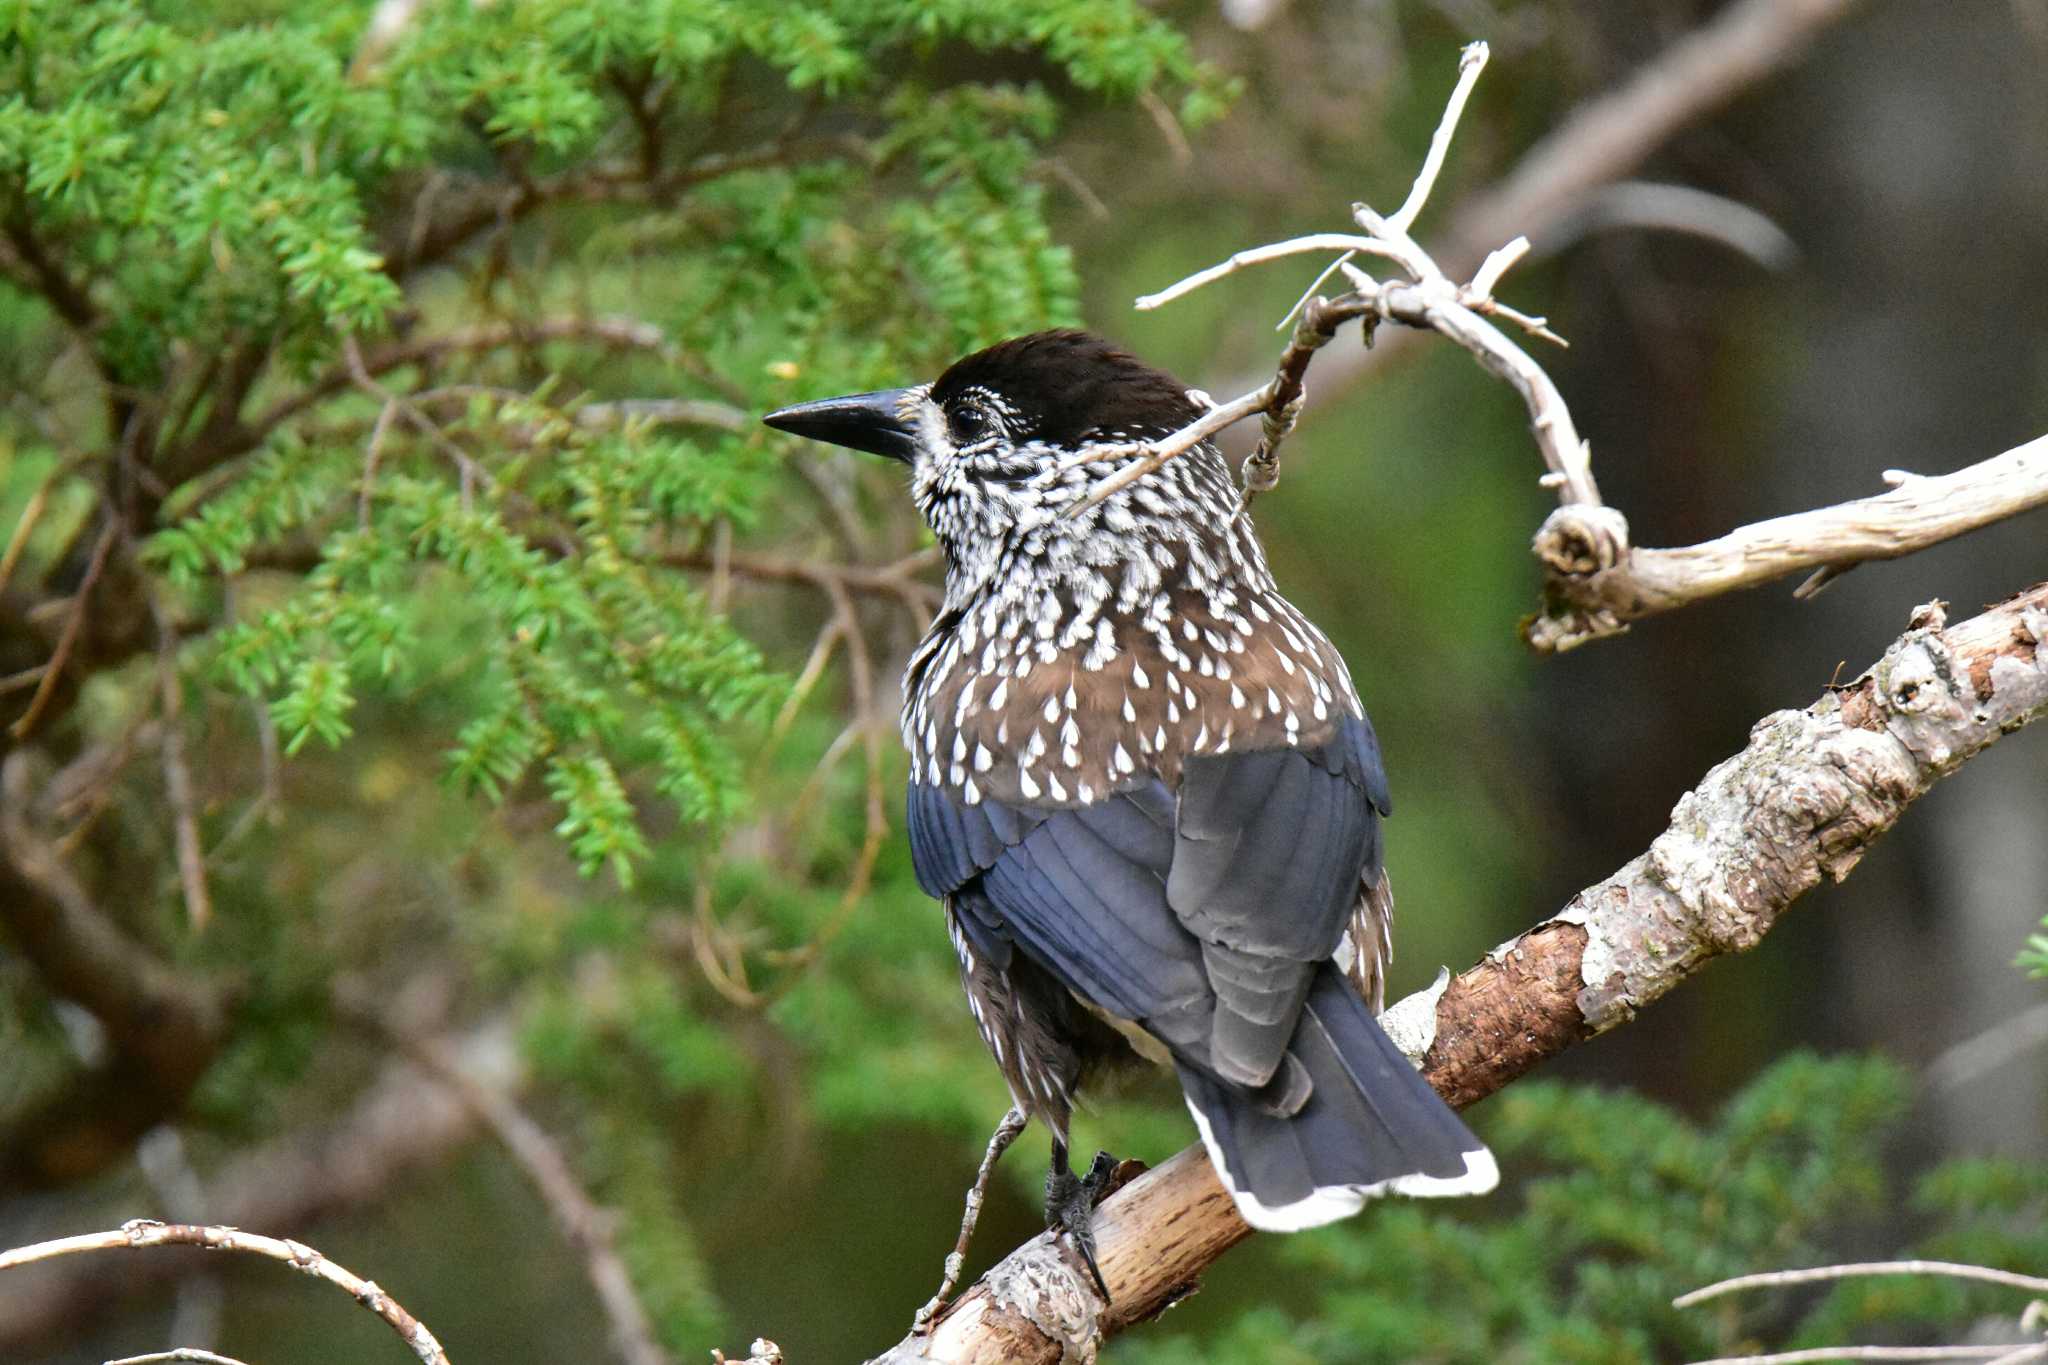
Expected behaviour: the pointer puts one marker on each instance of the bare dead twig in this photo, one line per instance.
(1608, 137)
(1816, 1274)
(1984, 1355)
(1592, 595)
(143, 1233)
(1427, 298)
(401, 1125)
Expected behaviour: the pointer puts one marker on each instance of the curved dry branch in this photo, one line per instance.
(1808, 796)
(1591, 595)
(141, 1233)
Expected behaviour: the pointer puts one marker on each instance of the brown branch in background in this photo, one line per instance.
(143, 1233)
(503, 205)
(402, 1123)
(896, 579)
(1802, 803)
(67, 640)
(625, 333)
(163, 1030)
(1609, 137)
(590, 1229)
(1590, 595)
(178, 777)
(45, 274)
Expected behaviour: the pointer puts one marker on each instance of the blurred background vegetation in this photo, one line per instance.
(452, 669)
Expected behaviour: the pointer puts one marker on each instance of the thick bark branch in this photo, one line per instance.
(1808, 796)
(1592, 594)
(162, 1029)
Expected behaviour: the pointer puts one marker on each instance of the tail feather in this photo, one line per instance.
(1371, 1125)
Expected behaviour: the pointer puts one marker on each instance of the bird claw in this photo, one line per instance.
(1070, 1202)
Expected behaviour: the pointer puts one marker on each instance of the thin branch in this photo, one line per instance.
(1471, 61)
(1595, 592)
(1635, 204)
(1990, 1051)
(1986, 1355)
(592, 1230)
(178, 777)
(1801, 804)
(401, 1125)
(626, 182)
(1428, 298)
(1313, 243)
(143, 1233)
(53, 668)
(1606, 138)
(1816, 1274)
(627, 333)
(1007, 1131)
(896, 580)
(47, 275)
(31, 513)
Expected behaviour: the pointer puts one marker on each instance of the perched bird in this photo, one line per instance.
(1144, 788)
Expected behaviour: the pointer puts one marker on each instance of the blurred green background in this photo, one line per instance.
(579, 778)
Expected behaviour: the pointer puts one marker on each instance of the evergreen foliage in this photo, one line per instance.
(1620, 1205)
(414, 378)
(412, 382)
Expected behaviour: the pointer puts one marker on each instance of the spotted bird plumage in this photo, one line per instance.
(1144, 787)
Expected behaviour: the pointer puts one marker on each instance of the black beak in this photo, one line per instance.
(861, 421)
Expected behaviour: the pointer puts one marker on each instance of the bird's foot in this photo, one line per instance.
(1070, 1202)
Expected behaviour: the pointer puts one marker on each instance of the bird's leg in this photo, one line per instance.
(999, 1142)
(1070, 1204)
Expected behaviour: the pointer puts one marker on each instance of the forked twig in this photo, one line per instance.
(1425, 298)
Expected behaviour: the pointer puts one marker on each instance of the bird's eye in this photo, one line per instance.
(967, 423)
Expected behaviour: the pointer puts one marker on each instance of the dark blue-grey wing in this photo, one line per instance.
(1271, 849)
(1200, 916)
(1083, 890)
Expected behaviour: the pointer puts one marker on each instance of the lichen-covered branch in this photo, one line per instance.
(1808, 796)
(1591, 592)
